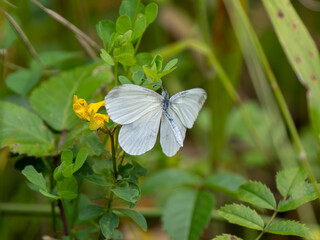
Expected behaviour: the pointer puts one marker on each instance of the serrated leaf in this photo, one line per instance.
(287, 227)
(22, 81)
(90, 212)
(288, 179)
(56, 108)
(257, 194)
(225, 182)
(108, 223)
(242, 215)
(168, 178)
(80, 159)
(106, 57)
(34, 177)
(105, 29)
(301, 194)
(227, 237)
(187, 213)
(139, 27)
(23, 131)
(151, 12)
(135, 216)
(123, 24)
(68, 188)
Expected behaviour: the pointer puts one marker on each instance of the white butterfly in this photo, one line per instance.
(140, 110)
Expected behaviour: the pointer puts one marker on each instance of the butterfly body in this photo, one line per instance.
(141, 112)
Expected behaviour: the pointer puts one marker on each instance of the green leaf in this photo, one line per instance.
(186, 214)
(301, 51)
(139, 27)
(105, 29)
(34, 177)
(123, 24)
(67, 188)
(90, 212)
(144, 58)
(242, 215)
(137, 77)
(171, 64)
(67, 157)
(128, 7)
(168, 178)
(106, 57)
(257, 194)
(151, 72)
(74, 135)
(56, 108)
(22, 81)
(99, 180)
(135, 216)
(300, 194)
(288, 179)
(23, 131)
(67, 170)
(93, 144)
(49, 195)
(125, 55)
(124, 80)
(81, 158)
(287, 227)
(108, 223)
(225, 182)
(126, 194)
(227, 237)
(54, 58)
(151, 12)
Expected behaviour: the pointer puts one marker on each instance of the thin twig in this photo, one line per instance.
(9, 3)
(23, 37)
(69, 25)
(87, 48)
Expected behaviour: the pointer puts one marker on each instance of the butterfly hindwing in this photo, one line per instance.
(168, 139)
(187, 104)
(140, 136)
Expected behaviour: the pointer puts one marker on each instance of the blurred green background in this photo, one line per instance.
(219, 141)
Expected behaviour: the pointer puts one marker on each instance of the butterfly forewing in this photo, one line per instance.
(127, 103)
(187, 105)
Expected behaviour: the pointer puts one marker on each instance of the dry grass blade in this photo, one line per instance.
(23, 37)
(69, 25)
(9, 3)
(87, 48)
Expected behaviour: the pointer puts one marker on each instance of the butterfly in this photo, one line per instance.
(141, 111)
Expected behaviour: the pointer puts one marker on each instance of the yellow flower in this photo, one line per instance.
(89, 112)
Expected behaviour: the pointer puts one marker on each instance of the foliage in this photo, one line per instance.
(78, 165)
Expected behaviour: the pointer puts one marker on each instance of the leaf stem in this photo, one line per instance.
(267, 225)
(114, 159)
(116, 73)
(63, 217)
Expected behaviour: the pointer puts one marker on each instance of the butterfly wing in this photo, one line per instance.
(187, 104)
(140, 136)
(168, 139)
(127, 103)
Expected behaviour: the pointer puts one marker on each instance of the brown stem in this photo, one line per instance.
(63, 218)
